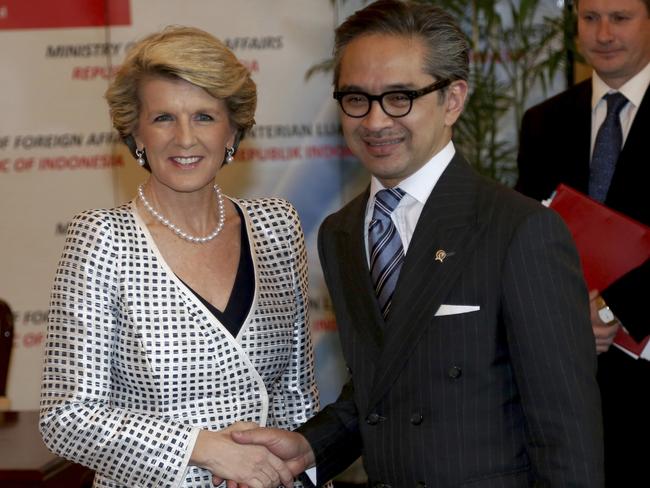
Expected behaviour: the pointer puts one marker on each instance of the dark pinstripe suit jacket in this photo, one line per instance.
(504, 396)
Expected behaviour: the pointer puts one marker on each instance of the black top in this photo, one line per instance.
(241, 297)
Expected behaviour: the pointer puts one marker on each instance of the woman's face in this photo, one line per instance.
(185, 132)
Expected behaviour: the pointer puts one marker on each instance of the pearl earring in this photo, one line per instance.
(230, 155)
(140, 155)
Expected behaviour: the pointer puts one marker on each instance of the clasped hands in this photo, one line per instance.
(249, 456)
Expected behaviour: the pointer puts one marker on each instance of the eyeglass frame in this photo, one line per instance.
(410, 94)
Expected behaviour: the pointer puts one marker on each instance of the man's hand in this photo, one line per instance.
(291, 447)
(604, 333)
(252, 466)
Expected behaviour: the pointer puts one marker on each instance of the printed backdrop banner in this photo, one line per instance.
(58, 154)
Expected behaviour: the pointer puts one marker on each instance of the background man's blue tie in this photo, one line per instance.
(607, 148)
(386, 251)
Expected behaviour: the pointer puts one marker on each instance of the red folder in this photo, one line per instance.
(609, 243)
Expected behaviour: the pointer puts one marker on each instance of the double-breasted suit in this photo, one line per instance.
(483, 374)
(555, 148)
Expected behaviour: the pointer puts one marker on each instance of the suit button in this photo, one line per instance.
(420, 484)
(373, 419)
(454, 372)
(416, 419)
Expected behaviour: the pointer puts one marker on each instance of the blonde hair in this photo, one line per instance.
(192, 55)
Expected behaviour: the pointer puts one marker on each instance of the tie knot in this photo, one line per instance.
(615, 103)
(388, 199)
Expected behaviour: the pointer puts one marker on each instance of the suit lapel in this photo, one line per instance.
(580, 129)
(637, 135)
(448, 222)
(632, 149)
(359, 295)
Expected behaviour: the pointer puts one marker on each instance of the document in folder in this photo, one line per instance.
(609, 243)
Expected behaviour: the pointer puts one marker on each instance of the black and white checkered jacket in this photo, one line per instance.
(135, 365)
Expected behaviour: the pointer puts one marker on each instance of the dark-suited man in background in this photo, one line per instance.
(480, 369)
(561, 142)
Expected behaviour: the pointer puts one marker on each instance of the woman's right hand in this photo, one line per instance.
(252, 466)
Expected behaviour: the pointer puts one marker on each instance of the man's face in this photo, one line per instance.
(394, 148)
(614, 37)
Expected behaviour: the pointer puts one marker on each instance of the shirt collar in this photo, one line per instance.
(634, 89)
(421, 183)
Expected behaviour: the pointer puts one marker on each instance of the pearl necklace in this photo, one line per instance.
(184, 235)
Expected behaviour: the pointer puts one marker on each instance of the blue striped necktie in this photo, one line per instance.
(607, 147)
(386, 251)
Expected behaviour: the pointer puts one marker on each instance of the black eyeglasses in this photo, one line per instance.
(397, 103)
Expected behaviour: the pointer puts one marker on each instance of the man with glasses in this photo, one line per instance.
(462, 312)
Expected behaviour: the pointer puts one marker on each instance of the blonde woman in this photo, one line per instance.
(184, 311)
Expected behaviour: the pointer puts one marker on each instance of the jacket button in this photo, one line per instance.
(454, 372)
(416, 419)
(420, 484)
(372, 419)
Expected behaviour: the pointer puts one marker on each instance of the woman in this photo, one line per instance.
(179, 313)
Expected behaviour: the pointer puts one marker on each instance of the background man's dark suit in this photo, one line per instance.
(555, 148)
(497, 397)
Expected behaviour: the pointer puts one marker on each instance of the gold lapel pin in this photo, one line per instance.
(441, 254)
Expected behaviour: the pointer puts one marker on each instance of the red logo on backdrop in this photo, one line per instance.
(49, 14)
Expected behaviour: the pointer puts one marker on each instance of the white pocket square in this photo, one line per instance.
(456, 309)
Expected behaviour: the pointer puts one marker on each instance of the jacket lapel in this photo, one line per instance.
(448, 223)
(361, 304)
(580, 127)
(638, 135)
(630, 157)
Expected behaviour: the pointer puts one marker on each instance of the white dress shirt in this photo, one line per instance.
(418, 187)
(634, 90)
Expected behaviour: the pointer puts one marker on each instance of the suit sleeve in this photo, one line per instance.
(334, 432)
(540, 165)
(546, 314)
(334, 435)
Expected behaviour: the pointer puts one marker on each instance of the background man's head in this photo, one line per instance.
(614, 37)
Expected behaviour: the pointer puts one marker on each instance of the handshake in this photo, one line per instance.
(249, 456)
